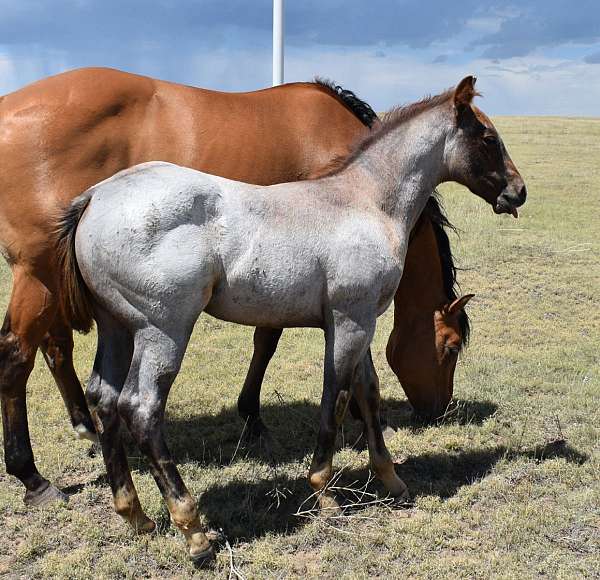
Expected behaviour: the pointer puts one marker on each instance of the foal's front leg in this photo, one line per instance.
(366, 392)
(346, 341)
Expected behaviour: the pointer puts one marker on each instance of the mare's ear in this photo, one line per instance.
(463, 95)
(458, 304)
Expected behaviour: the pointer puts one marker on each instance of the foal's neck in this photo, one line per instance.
(406, 163)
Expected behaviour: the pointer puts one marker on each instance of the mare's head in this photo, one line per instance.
(431, 325)
(476, 157)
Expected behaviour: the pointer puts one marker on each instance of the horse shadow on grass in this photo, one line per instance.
(220, 438)
(247, 508)
(250, 510)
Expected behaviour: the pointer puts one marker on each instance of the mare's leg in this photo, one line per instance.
(111, 366)
(156, 361)
(366, 391)
(30, 313)
(57, 347)
(265, 345)
(346, 341)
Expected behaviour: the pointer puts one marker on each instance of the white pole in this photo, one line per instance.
(277, 42)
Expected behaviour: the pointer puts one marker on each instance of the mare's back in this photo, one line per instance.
(63, 134)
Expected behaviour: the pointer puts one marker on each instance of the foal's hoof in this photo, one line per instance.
(44, 497)
(202, 555)
(329, 506)
(146, 526)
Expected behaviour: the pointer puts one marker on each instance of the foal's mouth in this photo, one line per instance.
(502, 206)
(508, 203)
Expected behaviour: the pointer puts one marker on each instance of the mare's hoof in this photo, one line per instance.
(401, 494)
(45, 497)
(82, 432)
(256, 433)
(254, 429)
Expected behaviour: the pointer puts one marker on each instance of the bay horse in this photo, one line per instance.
(63, 134)
(146, 251)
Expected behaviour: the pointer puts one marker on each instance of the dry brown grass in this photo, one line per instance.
(506, 486)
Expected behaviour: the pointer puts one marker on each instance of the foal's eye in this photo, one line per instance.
(490, 139)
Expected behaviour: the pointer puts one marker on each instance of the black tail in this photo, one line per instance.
(74, 296)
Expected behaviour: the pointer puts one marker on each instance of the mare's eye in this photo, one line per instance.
(453, 350)
(490, 139)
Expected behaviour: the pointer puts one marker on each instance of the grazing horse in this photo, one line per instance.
(145, 252)
(63, 134)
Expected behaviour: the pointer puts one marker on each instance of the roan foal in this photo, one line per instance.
(159, 244)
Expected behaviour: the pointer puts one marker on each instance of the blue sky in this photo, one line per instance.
(532, 57)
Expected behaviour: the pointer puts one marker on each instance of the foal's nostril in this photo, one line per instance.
(523, 194)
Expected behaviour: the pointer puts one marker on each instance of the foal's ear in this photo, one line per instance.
(464, 93)
(458, 304)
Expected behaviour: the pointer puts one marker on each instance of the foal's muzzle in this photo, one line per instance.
(508, 201)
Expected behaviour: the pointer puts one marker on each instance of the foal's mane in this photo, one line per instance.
(433, 210)
(390, 120)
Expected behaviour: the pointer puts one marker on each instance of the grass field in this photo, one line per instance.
(507, 486)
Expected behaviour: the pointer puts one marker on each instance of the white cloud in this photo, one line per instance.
(533, 85)
(520, 86)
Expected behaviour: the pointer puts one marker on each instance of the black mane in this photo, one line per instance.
(433, 210)
(360, 108)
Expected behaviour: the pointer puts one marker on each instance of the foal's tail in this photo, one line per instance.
(74, 296)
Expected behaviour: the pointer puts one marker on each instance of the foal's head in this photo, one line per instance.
(476, 157)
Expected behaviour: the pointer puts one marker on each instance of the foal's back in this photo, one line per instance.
(159, 238)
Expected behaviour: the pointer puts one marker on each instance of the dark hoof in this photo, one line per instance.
(361, 443)
(254, 429)
(94, 450)
(203, 558)
(45, 497)
(404, 502)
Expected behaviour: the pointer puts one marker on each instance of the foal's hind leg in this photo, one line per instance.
(57, 348)
(366, 391)
(265, 345)
(111, 366)
(346, 341)
(156, 361)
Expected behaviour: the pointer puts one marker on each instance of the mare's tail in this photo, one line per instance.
(74, 296)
